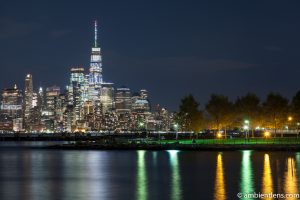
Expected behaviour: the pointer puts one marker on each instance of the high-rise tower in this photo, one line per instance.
(76, 90)
(12, 100)
(28, 98)
(95, 77)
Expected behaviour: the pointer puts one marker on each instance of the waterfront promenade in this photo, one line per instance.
(157, 142)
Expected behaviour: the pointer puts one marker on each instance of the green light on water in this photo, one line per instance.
(175, 187)
(154, 156)
(141, 193)
(298, 162)
(298, 165)
(247, 185)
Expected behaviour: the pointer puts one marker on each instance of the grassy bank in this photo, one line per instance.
(268, 144)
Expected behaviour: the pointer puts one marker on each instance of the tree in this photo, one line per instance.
(220, 110)
(189, 117)
(295, 107)
(248, 108)
(275, 110)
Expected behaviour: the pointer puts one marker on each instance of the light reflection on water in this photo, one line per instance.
(220, 191)
(267, 182)
(175, 188)
(290, 185)
(246, 181)
(143, 175)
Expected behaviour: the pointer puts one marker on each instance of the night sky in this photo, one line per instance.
(171, 48)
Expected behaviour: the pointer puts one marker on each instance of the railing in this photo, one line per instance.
(238, 141)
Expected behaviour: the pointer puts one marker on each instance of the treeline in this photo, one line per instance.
(276, 112)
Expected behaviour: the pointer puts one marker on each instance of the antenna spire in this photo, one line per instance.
(96, 30)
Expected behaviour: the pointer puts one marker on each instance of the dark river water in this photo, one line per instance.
(142, 175)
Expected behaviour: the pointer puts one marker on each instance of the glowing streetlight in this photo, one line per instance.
(219, 135)
(176, 129)
(141, 126)
(246, 127)
(267, 134)
(290, 118)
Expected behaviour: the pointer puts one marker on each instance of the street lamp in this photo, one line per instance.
(246, 127)
(267, 134)
(290, 118)
(141, 127)
(176, 129)
(298, 124)
(141, 124)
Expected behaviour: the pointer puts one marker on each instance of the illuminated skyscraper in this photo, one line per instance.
(52, 94)
(12, 102)
(123, 100)
(28, 98)
(144, 94)
(140, 102)
(49, 115)
(41, 100)
(77, 91)
(107, 97)
(77, 83)
(77, 75)
(11, 110)
(95, 76)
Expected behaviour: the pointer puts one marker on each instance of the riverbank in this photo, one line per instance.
(175, 146)
(134, 142)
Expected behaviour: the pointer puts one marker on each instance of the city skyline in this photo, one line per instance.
(228, 48)
(149, 99)
(87, 103)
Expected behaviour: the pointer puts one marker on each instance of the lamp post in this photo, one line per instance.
(290, 119)
(176, 130)
(141, 128)
(141, 125)
(298, 124)
(246, 127)
(267, 134)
